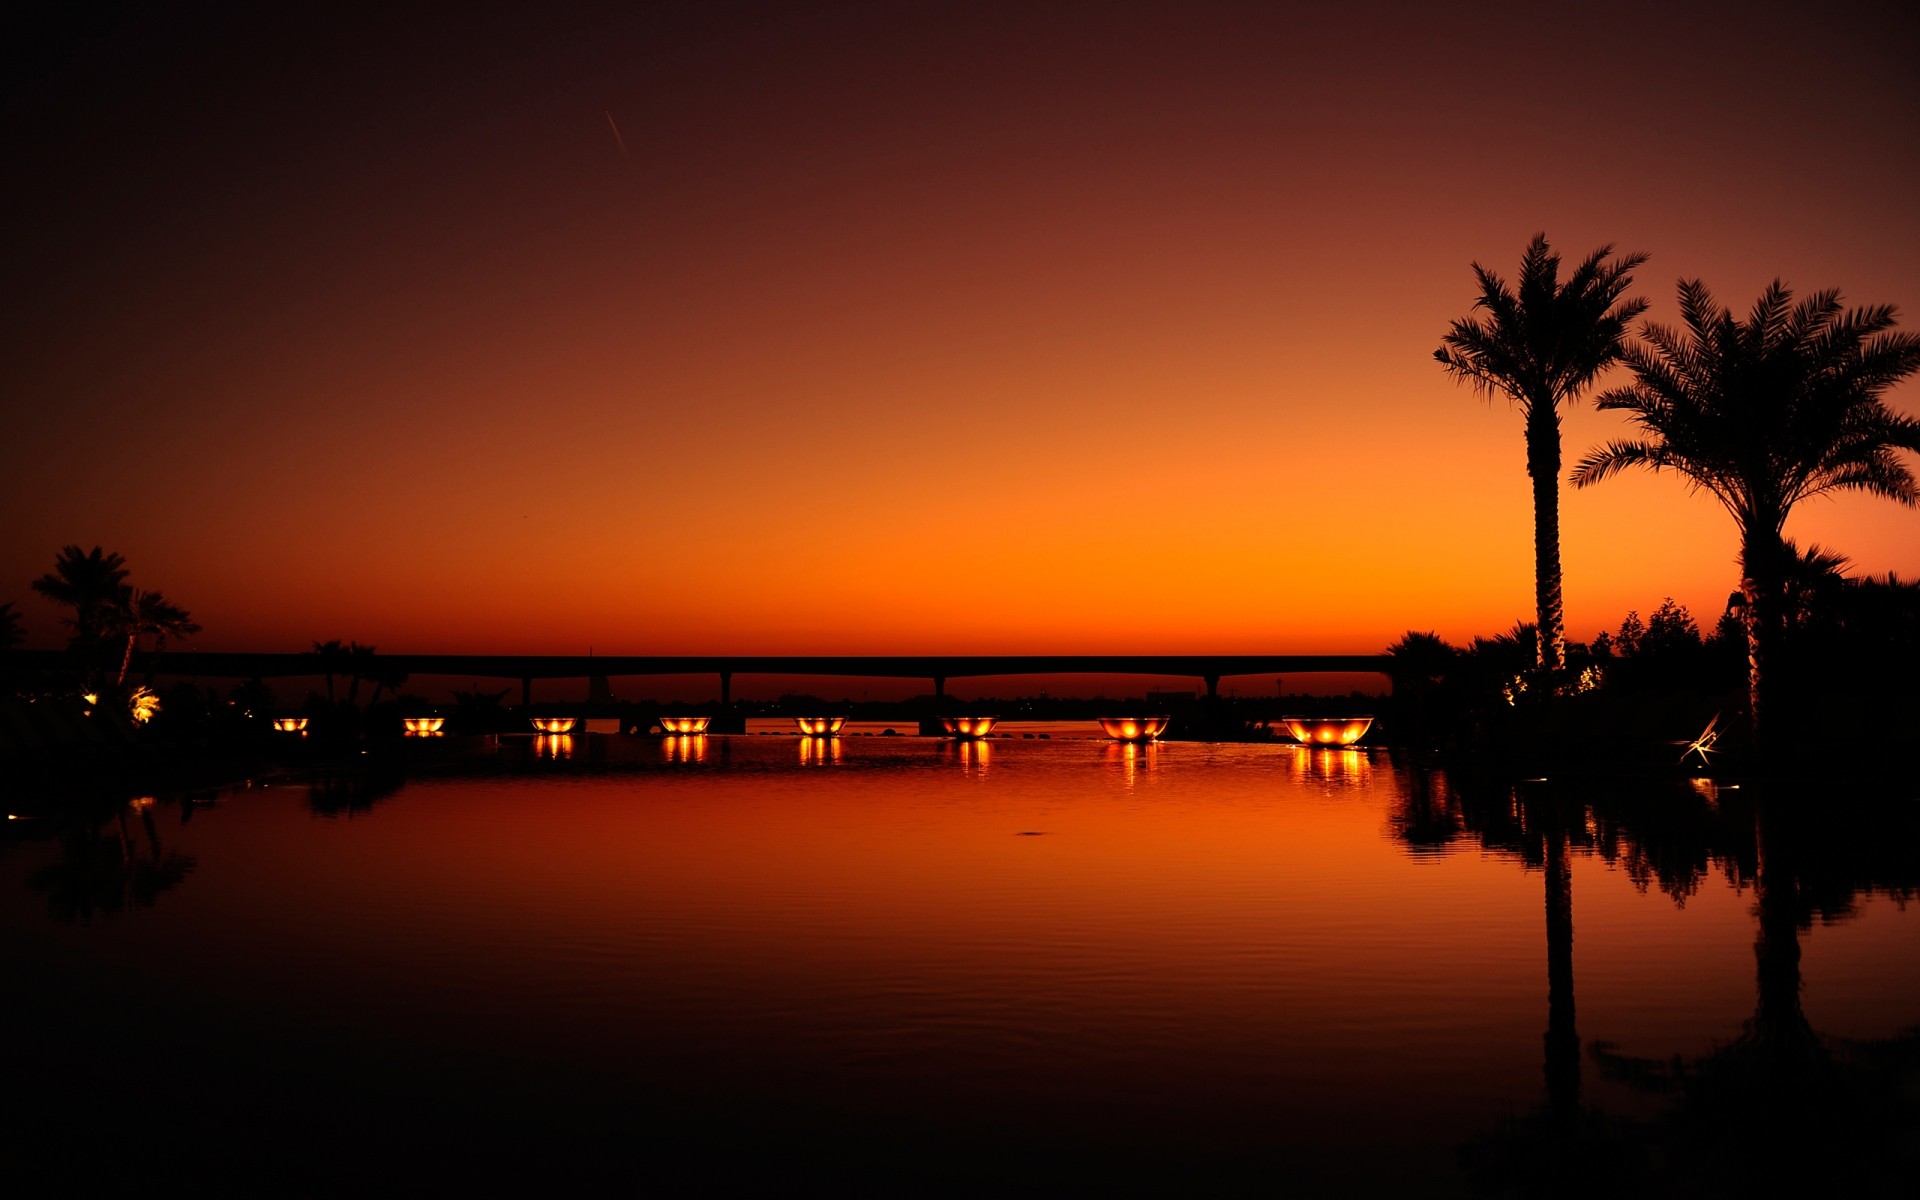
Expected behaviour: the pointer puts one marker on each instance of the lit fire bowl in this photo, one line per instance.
(968, 728)
(820, 726)
(290, 724)
(1336, 731)
(425, 724)
(1134, 729)
(684, 724)
(555, 724)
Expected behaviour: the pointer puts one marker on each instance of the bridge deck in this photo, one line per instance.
(226, 665)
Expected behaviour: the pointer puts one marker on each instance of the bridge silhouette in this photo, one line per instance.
(937, 668)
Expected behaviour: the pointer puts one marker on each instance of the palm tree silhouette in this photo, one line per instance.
(10, 633)
(331, 654)
(91, 583)
(359, 666)
(1764, 413)
(1540, 344)
(141, 614)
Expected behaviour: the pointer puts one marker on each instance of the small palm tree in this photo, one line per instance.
(147, 614)
(1540, 344)
(360, 665)
(1764, 413)
(10, 632)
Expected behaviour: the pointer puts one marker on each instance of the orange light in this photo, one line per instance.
(290, 724)
(820, 751)
(555, 724)
(968, 727)
(686, 747)
(425, 724)
(820, 726)
(1134, 729)
(554, 745)
(684, 724)
(1336, 731)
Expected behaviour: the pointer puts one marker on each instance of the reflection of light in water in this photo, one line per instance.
(553, 745)
(425, 733)
(686, 747)
(684, 725)
(820, 751)
(1330, 762)
(975, 754)
(1135, 759)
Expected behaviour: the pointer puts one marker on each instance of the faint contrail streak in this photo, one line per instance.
(617, 139)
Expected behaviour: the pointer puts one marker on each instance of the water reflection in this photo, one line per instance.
(1778, 1101)
(106, 867)
(1336, 764)
(973, 754)
(1135, 759)
(1245, 962)
(1426, 815)
(350, 792)
(819, 751)
(685, 747)
(553, 745)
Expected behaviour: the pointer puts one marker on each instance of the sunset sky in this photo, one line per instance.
(890, 328)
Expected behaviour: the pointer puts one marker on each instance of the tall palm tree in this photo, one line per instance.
(91, 583)
(1764, 413)
(141, 614)
(1540, 344)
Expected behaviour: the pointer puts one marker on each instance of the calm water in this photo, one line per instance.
(911, 964)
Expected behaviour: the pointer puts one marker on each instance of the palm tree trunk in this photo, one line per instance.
(126, 661)
(1762, 583)
(1543, 464)
(1562, 1037)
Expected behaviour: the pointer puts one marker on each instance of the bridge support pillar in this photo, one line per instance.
(939, 687)
(526, 691)
(1213, 686)
(726, 689)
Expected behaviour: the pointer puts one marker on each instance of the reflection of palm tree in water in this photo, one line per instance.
(109, 870)
(1562, 1037)
(1778, 1100)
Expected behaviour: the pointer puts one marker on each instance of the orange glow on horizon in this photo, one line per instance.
(973, 290)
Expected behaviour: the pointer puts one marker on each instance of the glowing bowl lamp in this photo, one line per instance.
(1321, 731)
(290, 724)
(968, 728)
(1134, 729)
(555, 724)
(684, 724)
(820, 726)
